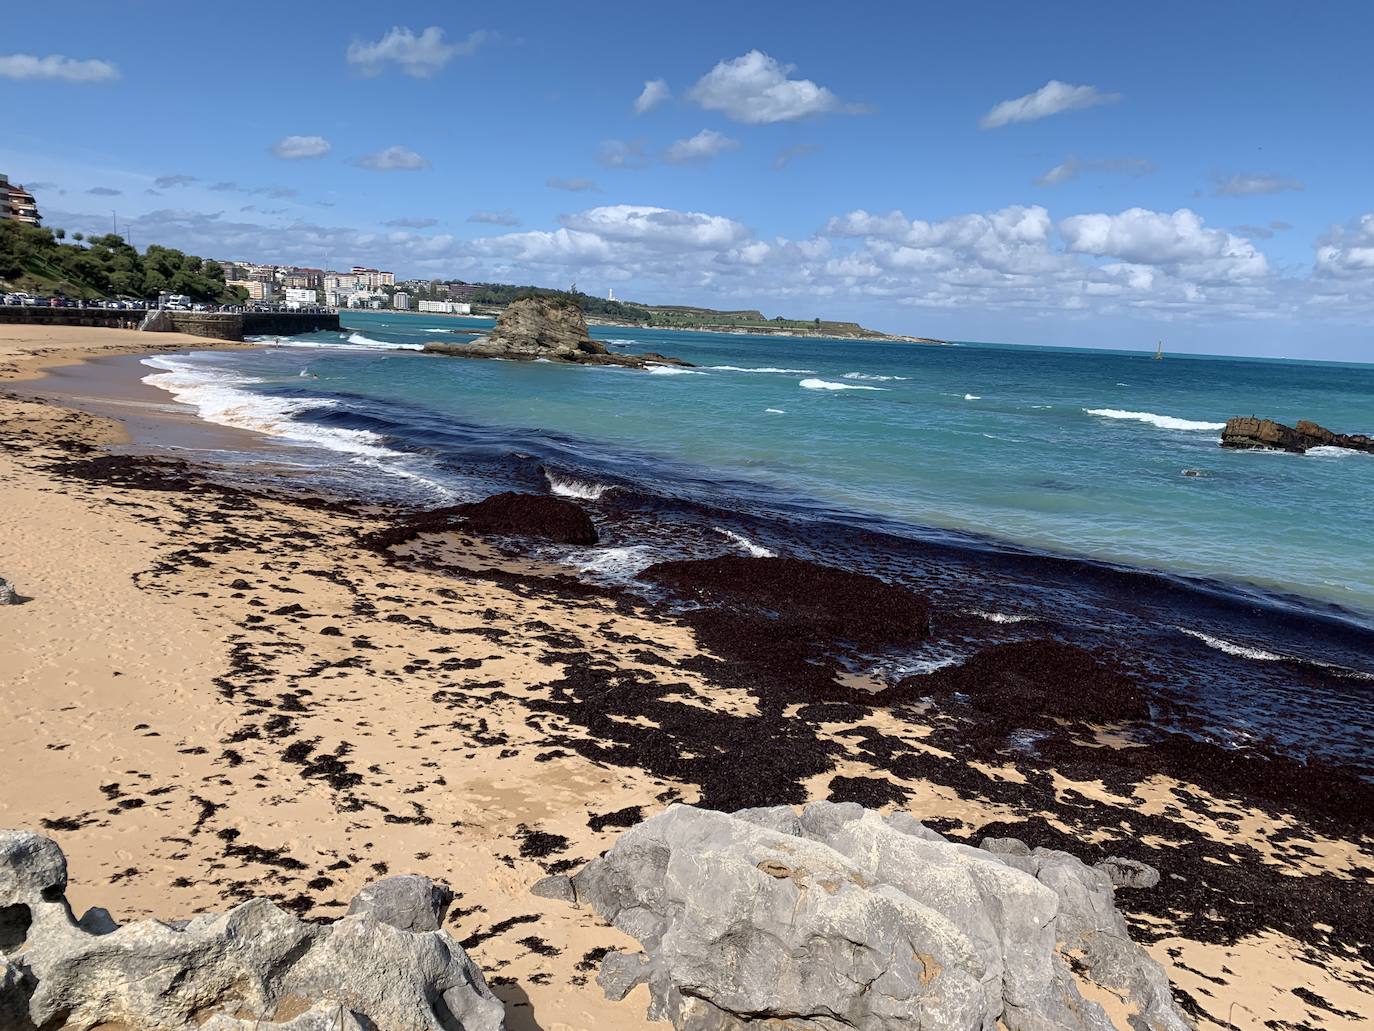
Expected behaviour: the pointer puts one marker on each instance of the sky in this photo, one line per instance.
(1082, 174)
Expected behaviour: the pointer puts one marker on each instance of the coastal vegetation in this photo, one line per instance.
(41, 260)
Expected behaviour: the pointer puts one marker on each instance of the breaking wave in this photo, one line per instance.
(826, 384)
(1164, 422)
(572, 487)
(755, 550)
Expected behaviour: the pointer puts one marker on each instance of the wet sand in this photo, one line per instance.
(215, 693)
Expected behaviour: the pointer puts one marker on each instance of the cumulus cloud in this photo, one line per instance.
(639, 223)
(1249, 185)
(104, 191)
(787, 155)
(411, 223)
(393, 159)
(621, 154)
(294, 148)
(504, 217)
(419, 56)
(755, 89)
(1071, 168)
(56, 68)
(553, 182)
(655, 92)
(1349, 251)
(165, 182)
(701, 147)
(1180, 239)
(1049, 99)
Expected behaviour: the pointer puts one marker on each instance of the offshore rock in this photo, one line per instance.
(837, 917)
(534, 328)
(1267, 434)
(254, 968)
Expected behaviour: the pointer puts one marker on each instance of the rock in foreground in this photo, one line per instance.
(531, 515)
(1252, 433)
(545, 328)
(841, 918)
(254, 968)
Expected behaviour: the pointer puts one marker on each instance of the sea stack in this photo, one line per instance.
(550, 328)
(1269, 435)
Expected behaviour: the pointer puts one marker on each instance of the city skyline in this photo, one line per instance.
(1104, 181)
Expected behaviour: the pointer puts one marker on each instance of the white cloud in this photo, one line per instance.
(1049, 99)
(1349, 251)
(1071, 168)
(393, 159)
(164, 182)
(418, 56)
(643, 224)
(104, 191)
(755, 89)
(411, 223)
(293, 148)
(655, 92)
(1244, 185)
(701, 147)
(553, 182)
(56, 67)
(1180, 239)
(504, 217)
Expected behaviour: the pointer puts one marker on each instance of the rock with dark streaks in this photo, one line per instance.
(8, 595)
(836, 917)
(254, 968)
(1128, 873)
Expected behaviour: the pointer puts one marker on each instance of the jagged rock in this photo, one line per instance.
(410, 902)
(255, 966)
(531, 515)
(837, 917)
(555, 886)
(1267, 434)
(1005, 846)
(8, 595)
(545, 328)
(1129, 873)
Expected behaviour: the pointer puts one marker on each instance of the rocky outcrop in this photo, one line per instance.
(254, 968)
(1251, 433)
(531, 515)
(840, 918)
(545, 328)
(8, 595)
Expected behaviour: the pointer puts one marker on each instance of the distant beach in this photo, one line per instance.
(237, 672)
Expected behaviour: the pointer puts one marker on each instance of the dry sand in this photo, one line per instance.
(212, 695)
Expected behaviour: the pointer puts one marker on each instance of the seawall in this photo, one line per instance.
(215, 325)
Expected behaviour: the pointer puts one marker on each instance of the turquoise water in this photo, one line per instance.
(1072, 451)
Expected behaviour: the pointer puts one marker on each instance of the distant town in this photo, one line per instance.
(360, 287)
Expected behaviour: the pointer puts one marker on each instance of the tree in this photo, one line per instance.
(59, 234)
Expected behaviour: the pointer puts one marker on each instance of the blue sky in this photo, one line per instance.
(1081, 174)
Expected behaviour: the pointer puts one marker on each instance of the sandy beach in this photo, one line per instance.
(215, 693)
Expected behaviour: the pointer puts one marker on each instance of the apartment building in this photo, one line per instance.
(17, 203)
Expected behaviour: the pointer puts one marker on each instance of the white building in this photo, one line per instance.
(610, 294)
(445, 307)
(298, 296)
(400, 300)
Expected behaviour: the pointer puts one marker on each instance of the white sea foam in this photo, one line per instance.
(358, 340)
(1000, 617)
(755, 550)
(873, 377)
(1331, 452)
(775, 411)
(673, 370)
(1230, 648)
(973, 397)
(352, 343)
(1164, 422)
(616, 563)
(219, 397)
(785, 372)
(572, 487)
(825, 384)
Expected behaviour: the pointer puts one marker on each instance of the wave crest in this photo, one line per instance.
(826, 384)
(1163, 422)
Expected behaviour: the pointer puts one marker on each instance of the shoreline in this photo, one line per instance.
(474, 647)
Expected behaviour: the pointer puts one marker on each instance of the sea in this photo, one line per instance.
(1033, 490)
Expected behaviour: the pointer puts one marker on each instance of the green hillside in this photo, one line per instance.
(40, 261)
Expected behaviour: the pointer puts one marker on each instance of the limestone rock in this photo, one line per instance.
(409, 902)
(1128, 873)
(545, 328)
(255, 966)
(8, 595)
(1267, 434)
(555, 886)
(836, 917)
